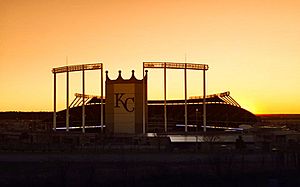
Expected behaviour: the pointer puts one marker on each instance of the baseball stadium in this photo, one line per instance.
(125, 108)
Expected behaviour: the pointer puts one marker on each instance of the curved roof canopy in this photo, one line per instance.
(220, 98)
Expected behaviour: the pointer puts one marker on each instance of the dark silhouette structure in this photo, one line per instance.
(222, 110)
(192, 114)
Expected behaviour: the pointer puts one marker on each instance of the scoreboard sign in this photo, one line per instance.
(123, 105)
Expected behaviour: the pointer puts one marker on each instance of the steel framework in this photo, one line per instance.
(83, 68)
(185, 67)
(225, 97)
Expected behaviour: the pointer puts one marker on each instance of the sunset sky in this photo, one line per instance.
(252, 48)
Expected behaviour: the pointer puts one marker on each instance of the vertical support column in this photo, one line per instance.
(83, 101)
(67, 103)
(101, 98)
(165, 96)
(197, 124)
(204, 102)
(146, 100)
(54, 104)
(185, 101)
(144, 117)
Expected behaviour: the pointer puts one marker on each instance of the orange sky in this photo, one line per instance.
(252, 48)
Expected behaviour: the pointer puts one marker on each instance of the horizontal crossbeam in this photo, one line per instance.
(172, 65)
(77, 68)
(223, 94)
(88, 96)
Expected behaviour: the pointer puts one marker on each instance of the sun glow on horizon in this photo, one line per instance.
(251, 47)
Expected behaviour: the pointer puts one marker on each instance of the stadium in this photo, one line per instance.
(91, 113)
(222, 111)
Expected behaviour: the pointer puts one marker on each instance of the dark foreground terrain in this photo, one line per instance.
(149, 169)
(32, 155)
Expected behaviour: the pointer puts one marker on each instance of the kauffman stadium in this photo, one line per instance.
(222, 111)
(126, 108)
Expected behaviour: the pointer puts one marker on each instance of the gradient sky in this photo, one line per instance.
(252, 48)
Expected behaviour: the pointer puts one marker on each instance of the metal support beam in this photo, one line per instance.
(102, 99)
(77, 102)
(67, 103)
(54, 104)
(144, 117)
(185, 66)
(197, 124)
(165, 96)
(68, 69)
(74, 101)
(146, 100)
(204, 104)
(185, 100)
(83, 103)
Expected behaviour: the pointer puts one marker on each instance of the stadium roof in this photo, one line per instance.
(220, 98)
